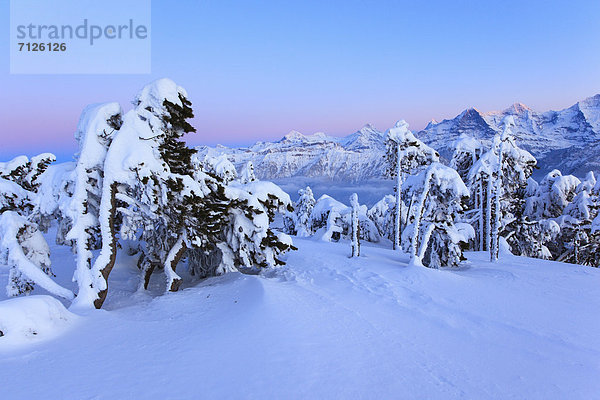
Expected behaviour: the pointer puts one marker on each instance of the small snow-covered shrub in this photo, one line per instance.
(32, 317)
(332, 220)
(382, 214)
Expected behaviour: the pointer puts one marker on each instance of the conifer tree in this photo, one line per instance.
(432, 238)
(405, 155)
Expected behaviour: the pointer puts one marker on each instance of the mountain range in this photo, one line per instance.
(568, 140)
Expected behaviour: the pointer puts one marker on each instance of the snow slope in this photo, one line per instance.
(573, 132)
(327, 326)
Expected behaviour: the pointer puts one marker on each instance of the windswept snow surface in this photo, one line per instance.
(328, 326)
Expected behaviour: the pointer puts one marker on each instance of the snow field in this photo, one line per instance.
(329, 326)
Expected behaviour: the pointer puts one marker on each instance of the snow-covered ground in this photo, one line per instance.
(323, 326)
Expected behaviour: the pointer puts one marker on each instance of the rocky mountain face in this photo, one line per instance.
(354, 158)
(568, 139)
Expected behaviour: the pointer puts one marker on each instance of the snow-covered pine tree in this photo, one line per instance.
(22, 246)
(14, 198)
(180, 206)
(431, 238)
(246, 242)
(302, 212)
(147, 185)
(382, 214)
(552, 195)
(219, 167)
(405, 155)
(247, 174)
(25, 250)
(172, 204)
(355, 226)
(535, 238)
(467, 151)
(498, 181)
(97, 126)
(25, 172)
(579, 242)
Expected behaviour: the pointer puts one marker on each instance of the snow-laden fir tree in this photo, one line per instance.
(467, 151)
(498, 181)
(153, 184)
(22, 245)
(431, 237)
(245, 241)
(355, 225)
(25, 251)
(383, 216)
(54, 198)
(156, 193)
(219, 167)
(552, 195)
(25, 172)
(247, 174)
(332, 220)
(97, 126)
(299, 221)
(578, 242)
(405, 155)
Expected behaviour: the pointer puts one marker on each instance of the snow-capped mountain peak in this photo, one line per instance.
(551, 135)
(516, 109)
(293, 136)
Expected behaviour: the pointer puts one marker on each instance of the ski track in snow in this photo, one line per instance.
(327, 326)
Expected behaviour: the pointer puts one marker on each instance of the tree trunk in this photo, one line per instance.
(488, 212)
(481, 229)
(398, 216)
(417, 221)
(108, 244)
(498, 213)
(175, 254)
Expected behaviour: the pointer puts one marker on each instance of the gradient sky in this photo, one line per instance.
(255, 70)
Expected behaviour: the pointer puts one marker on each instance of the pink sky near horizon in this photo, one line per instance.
(48, 130)
(259, 70)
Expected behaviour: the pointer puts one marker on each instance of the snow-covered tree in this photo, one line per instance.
(25, 172)
(148, 189)
(175, 205)
(246, 242)
(299, 222)
(579, 242)
(552, 195)
(405, 155)
(219, 167)
(24, 249)
(535, 237)
(383, 215)
(247, 174)
(432, 238)
(355, 226)
(498, 182)
(332, 220)
(97, 126)
(22, 245)
(14, 198)
(467, 151)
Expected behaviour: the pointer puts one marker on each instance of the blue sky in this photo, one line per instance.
(256, 70)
